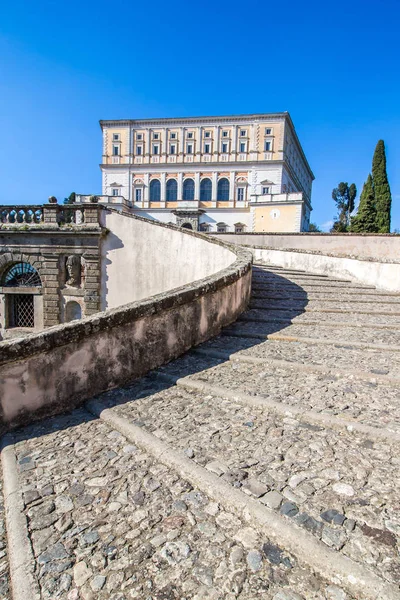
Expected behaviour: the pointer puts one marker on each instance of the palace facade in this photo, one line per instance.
(226, 174)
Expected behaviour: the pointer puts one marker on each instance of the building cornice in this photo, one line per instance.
(180, 121)
(222, 166)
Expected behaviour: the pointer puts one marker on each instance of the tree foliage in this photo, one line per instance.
(365, 219)
(344, 196)
(313, 227)
(71, 198)
(383, 198)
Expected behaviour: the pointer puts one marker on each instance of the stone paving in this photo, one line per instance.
(107, 520)
(4, 572)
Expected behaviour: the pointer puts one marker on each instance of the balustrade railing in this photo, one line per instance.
(21, 214)
(59, 215)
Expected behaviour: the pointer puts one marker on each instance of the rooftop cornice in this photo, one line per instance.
(193, 120)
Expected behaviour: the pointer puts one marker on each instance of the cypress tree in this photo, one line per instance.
(365, 219)
(383, 198)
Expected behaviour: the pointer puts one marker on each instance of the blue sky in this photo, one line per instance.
(64, 66)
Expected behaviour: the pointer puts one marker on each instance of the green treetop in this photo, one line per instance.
(383, 198)
(365, 220)
(344, 196)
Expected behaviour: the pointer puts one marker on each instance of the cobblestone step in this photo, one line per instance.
(336, 356)
(349, 318)
(270, 470)
(321, 307)
(284, 283)
(271, 458)
(387, 340)
(338, 394)
(109, 520)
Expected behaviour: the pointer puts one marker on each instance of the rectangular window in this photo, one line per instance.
(172, 149)
(155, 136)
(268, 131)
(189, 149)
(173, 136)
(138, 150)
(190, 135)
(265, 190)
(139, 136)
(224, 148)
(155, 149)
(267, 146)
(243, 133)
(115, 192)
(115, 137)
(138, 195)
(224, 134)
(206, 148)
(240, 194)
(221, 228)
(243, 147)
(116, 150)
(207, 134)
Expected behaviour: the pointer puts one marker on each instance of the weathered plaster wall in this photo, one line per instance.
(383, 275)
(56, 369)
(141, 258)
(386, 247)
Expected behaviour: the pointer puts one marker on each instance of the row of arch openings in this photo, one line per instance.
(223, 190)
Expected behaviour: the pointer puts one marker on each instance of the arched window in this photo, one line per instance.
(187, 226)
(155, 190)
(73, 311)
(188, 189)
(205, 190)
(172, 190)
(223, 189)
(21, 275)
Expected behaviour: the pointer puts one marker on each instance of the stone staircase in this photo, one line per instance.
(263, 464)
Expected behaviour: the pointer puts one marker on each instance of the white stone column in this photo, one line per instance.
(214, 188)
(180, 186)
(253, 139)
(197, 186)
(232, 191)
(146, 179)
(163, 178)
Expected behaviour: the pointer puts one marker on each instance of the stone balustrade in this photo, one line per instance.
(54, 214)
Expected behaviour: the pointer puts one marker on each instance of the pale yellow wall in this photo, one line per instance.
(277, 137)
(164, 141)
(286, 221)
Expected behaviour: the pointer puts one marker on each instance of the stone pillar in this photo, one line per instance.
(50, 275)
(146, 179)
(197, 186)
(147, 148)
(91, 214)
(92, 283)
(199, 149)
(50, 213)
(232, 191)
(180, 186)
(214, 189)
(216, 143)
(163, 196)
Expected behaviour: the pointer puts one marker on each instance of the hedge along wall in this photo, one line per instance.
(58, 368)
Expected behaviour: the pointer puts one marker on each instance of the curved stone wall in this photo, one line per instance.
(58, 368)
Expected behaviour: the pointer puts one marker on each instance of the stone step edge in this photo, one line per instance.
(299, 275)
(339, 311)
(284, 410)
(19, 550)
(257, 282)
(305, 340)
(310, 368)
(301, 299)
(303, 282)
(309, 551)
(249, 319)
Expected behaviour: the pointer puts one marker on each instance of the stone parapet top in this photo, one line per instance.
(323, 253)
